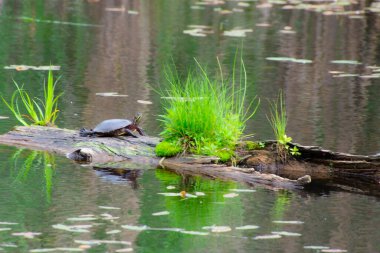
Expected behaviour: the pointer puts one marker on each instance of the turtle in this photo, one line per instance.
(115, 127)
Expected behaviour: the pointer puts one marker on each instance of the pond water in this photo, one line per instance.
(326, 65)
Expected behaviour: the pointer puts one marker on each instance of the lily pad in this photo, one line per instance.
(73, 228)
(333, 250)
(285, 233)
(111, 232)
(194, 232)
(125, 250)
(265, 237)
(294, 222)
(345, 62)
(218, 229)
(288, 59)
(161, 213)
(230, 195)
(110, 94)
(29, 235)
(247, 227)
(109, 207)
(242, 190)
(145, 102)
(237, 32)
(135, 228)
(315, 247)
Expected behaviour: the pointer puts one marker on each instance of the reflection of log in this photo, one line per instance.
(132, 153)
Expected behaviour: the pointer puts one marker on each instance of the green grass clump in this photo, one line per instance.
(225, 155)
(205, 115)
(278, 122)
(38, 111)
(167, 149)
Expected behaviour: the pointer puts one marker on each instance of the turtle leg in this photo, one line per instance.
(129, 132)
(141, 132)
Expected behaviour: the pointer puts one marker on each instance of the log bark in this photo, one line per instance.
(125, 152)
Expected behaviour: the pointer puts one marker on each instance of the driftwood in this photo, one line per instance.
(128, 152)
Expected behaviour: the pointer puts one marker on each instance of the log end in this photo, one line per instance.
(82, 155)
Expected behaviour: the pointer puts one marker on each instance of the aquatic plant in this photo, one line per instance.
(39, 112)
(205, 115)
(278, 122)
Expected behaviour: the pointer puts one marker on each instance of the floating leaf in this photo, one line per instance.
(109, 207)
(29, 235)
(161, 213)
(218, 229)
(315, 247)
(110, 94)
(264, 237)
(194, 232)
(230, 195)
(70, 249)
(8, 245)
(43, 250)
(98, 242)
(82, 219)
(288, 59)
(247, 227)
(334, 250)
(346, 75)
(263, 25)
(285, 233)
(145, 102)
(132, 12)
(295, 222)
(242, 190)
(170, 194)
(115, 9)
(26, 67)
(73, 228)
(370, 76)
(111, 232)
(125, 250)
(7, 223)
(135, 228)
(345, 62)
(237, 32)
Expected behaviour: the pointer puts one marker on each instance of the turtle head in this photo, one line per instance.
(137, 119)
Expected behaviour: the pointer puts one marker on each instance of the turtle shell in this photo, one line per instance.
(111, 125)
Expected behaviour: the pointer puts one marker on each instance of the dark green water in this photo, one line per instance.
(103, 50)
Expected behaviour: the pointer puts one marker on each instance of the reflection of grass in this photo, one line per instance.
(36, 159)
(203, 115)
(39, 112)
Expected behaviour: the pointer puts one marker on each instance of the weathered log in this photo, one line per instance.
(126, 152)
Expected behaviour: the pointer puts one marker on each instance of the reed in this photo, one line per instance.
(278, 122)
(36, 111)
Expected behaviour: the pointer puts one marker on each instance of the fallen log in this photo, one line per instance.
(128, 152)
(123, 152)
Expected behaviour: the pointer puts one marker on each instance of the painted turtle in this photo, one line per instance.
(115, 127)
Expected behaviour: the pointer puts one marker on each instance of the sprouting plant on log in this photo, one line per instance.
(35, 111)
(278, 121)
